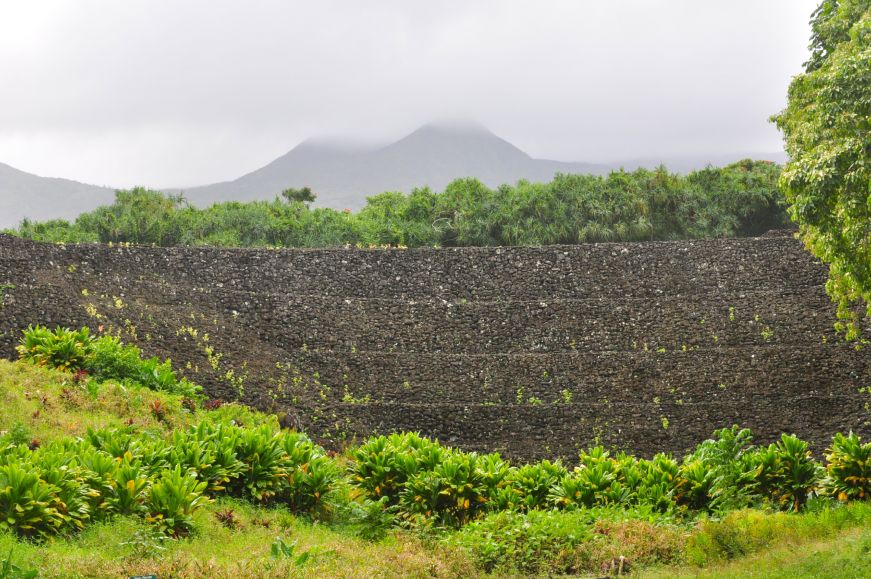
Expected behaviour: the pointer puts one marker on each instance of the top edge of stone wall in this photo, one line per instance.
(7, 240)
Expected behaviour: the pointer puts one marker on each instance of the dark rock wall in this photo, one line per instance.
(534, 351)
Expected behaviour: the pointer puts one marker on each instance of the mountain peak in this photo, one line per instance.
(455, 127)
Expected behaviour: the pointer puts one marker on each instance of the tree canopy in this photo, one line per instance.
(736, 200)
(827, 181)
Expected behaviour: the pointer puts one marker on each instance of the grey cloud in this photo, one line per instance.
(189, 92)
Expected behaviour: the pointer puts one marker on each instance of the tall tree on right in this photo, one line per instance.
(827, 130)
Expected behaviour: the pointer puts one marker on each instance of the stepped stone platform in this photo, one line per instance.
(531, 351)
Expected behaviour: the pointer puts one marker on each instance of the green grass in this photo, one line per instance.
(826, 540)
(47, 405)
(844, 555)
(127, 546)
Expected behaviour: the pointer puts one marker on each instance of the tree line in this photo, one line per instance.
(736, 200)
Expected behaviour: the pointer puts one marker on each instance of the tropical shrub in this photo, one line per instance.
(103, 358)
(596, 482)
(528, 486)
(129, 487)
(173, 499)
(848, 472)
(655, 478)
(209, 451)
(452, 493)
(721, 473)
(792, 476)
(29, 506)
(262, 457)
(311, 476)
(382, 465)
(63, 349)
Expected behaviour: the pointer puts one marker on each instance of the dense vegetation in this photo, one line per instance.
(175, 458)
(101, 357)
(827, 128)
(737, 200)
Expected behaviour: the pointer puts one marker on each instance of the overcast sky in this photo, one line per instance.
(179, 93)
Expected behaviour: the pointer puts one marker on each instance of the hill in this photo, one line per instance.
(433, 155)
(343, 175)
(26, 195)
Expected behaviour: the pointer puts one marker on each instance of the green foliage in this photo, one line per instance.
(746, 531)
(739, 199)
(17, 435)
(172, 501)
(208, 450)
(527, 486)
(509, 541)
(381, 466)
(720, 474)
(451, 494)
(104, 358)
(304, 195)
(420, 481)
(28, 504)
(62, 349)
(848, 472)
(282, 550)
(260, 452)
(827, 129)
(730, 473)
(311, 477)
(61, 487)
(792, 478)
(596, 481)
(9, 570)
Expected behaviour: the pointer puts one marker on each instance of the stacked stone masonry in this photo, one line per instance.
(531, 351)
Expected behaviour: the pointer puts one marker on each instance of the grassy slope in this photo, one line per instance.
(49, 405)
(845, 555)
(122, 548)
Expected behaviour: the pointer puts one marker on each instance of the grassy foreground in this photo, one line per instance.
(236, 538)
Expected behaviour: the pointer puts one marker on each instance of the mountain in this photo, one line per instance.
(342, 175)
(433, 155)
(40, 198)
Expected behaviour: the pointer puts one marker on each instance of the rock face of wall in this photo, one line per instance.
(531, 351)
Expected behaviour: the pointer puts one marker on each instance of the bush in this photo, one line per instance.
(209, 451)
(382, 465)
(172, 501)
(719, 473)
(62, 349)
(451, 493)
(311, 476)
(848, 473)
(104, 358)
(528, 486)
(536, 542)
(788, 473)
(729, 473)
(29, 506)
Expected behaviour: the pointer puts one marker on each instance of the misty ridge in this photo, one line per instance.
(343, 174)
